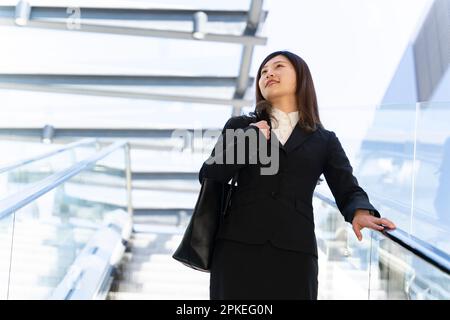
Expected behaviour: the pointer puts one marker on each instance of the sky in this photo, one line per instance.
(351, 46)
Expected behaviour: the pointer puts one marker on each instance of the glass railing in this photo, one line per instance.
(400, 155)
(15, 176)
(404, 267)
(404, 165)
(391, 265)
(46, 226)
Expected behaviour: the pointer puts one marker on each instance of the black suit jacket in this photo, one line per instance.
(279, 207)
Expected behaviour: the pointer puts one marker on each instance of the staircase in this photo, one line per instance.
(148, 271)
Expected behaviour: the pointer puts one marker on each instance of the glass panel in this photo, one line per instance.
(6, 228)
(396, 273)
(343, 261)
(51, 231)
(384, 164)
(431, 214)
(16, 179)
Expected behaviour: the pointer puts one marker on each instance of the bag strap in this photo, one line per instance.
(230, 191)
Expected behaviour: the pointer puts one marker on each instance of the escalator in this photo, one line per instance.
(53, 249)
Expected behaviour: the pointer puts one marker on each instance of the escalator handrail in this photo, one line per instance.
(418, 247)
(14, 165)
(35, 190)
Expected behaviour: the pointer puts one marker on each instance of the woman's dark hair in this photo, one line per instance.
(309, 118)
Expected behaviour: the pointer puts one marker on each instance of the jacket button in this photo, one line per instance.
(274, 193)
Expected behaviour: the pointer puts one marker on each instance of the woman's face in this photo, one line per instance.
(278, 78)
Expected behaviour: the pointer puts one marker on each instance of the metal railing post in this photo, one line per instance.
(128, 178)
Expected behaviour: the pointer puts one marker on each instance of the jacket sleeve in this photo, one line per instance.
(343, 184)
(223, 171)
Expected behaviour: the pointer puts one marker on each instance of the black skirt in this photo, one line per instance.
(261, 271)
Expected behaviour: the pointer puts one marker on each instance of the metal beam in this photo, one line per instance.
(255, 16)
(140, 32)
(161, 211)
(123, 94)
(164, 175)
(244, 78)
(136, 176)
(59, 133)
(116, 80)
(129, 14)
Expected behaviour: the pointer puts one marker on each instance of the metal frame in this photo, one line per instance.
(59, 133)
(134, 14)
(47, 17)
(118, 80)
(155, 175)
(123, 94)
(243, 82)
(141, 32)
(128, 176)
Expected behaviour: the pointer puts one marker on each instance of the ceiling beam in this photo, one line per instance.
(57, 133)
(254, 19)
(123, 94)
(172, 175)
(130, 14)
(139, 32)
(117, 79)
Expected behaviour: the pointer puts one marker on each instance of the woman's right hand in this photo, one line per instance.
(264, 127)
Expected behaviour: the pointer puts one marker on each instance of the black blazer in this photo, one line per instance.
(279, 207)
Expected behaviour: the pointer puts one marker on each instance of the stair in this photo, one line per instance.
(148, 271)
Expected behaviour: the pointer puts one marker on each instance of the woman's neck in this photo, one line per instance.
(286, 104)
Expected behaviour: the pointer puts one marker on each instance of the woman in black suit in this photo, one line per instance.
(266, 246)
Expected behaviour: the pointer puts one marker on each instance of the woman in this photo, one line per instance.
(266, 247)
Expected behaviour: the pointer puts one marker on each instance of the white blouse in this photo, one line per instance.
(286, 122)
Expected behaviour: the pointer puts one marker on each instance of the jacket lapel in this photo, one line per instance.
(295, 140)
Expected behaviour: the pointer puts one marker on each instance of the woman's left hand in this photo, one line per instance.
(363, 219)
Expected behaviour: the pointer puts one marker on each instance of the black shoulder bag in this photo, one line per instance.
(197, 245)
